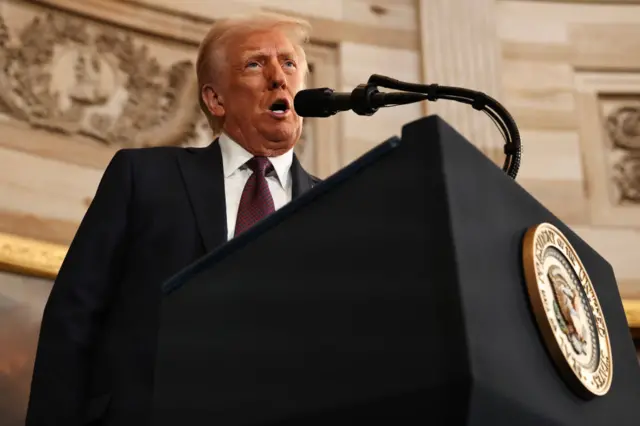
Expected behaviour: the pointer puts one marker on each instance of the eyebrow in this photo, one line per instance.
(254, 54)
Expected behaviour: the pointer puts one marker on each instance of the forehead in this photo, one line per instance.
(264, 42)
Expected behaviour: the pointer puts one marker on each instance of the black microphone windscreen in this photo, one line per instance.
(313, 102)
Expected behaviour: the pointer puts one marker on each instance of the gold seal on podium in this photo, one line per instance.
(567, 311)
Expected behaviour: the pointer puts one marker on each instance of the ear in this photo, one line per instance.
(212, 100)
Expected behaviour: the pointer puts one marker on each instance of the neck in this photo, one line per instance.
(258, 145)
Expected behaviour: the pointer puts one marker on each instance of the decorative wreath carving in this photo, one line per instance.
(62, 74)
(627, 177)
(623, 128)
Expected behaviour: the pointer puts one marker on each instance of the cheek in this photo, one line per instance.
(298, 84)
(295, 81)
(243, 98)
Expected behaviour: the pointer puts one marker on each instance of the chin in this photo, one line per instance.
(282, 136)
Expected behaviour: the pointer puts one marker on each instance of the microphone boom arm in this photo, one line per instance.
(478, 100)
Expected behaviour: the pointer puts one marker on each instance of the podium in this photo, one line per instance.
(401, 291)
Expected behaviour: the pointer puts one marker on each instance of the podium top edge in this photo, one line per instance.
(179, 279)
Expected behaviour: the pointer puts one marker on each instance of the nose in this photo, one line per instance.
(277, 84)
(278, 79)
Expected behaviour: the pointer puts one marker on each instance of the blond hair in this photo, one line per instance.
(211, 53)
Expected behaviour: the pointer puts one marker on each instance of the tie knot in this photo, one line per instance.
(260, 165)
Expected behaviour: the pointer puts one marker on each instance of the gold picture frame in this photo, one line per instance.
(30, 257)
(43, 259)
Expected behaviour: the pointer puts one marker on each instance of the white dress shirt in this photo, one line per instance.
(236, 174)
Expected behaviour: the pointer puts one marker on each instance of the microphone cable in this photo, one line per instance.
(479, 101)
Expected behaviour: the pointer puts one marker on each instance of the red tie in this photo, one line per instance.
(256, 201)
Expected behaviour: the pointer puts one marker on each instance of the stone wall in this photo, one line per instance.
(571, 76)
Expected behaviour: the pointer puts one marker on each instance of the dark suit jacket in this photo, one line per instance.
(156, 211)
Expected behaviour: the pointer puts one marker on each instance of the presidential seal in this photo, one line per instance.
(567, 311)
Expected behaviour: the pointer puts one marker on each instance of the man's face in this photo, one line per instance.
(259, 81)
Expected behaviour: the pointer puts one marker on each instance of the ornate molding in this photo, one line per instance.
(180, 24)
(69, 75)
(623, 128)
(608, 111)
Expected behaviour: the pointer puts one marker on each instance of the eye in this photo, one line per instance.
(252, 64)
(290, 63)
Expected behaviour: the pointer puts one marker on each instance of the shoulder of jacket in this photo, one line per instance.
(148, 152)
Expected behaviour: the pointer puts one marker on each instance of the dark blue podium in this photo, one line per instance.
(392, 292)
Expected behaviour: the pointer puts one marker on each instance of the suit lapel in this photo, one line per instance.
(204, 180)
(302, 181)
(203, 177)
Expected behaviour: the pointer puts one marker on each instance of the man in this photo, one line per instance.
(156, 211)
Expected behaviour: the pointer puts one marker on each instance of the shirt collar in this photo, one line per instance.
(235, 156)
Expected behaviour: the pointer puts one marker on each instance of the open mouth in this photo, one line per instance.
(280, 107)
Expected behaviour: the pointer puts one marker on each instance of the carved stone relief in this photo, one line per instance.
(70, 75)
(622, 124)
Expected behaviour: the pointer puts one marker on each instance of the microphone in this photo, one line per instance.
(363, 100)
(366, 100)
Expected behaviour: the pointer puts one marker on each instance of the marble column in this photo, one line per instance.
(460, 47)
